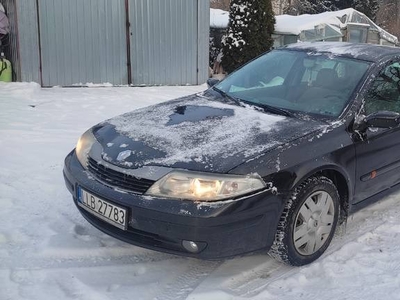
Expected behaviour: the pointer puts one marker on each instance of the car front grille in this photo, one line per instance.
(118, 179)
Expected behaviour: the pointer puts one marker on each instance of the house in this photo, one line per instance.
(347, 25)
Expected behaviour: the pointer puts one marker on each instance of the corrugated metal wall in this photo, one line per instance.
(83, 41)
(28, 40)
(24, 39)
(12, 49)
(164, 41)
(203, 40)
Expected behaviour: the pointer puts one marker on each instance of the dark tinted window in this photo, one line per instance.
(385, 91)
(297, 81)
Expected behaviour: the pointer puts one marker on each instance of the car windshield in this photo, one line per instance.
(296, 81)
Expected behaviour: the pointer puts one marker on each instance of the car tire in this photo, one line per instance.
(308, 222)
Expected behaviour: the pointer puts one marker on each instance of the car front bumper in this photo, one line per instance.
(220, 229)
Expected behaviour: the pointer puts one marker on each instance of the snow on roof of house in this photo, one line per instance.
(286, 24)
(219, 18)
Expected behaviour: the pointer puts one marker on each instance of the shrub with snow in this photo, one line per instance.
(251, 24)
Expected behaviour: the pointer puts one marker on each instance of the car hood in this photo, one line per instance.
(196, 133)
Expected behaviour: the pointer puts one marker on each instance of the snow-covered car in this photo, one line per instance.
(271, 158)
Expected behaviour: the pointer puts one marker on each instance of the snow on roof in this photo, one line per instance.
(286, 24)
(218, 18)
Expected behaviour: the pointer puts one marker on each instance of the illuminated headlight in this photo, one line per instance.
(83, 147)
(204, 187)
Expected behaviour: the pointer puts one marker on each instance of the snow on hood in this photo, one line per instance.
(195, 133)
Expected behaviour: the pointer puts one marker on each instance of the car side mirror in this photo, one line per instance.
(382, 119)
(211, 82)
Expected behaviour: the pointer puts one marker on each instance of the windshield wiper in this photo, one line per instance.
(226, 95)
(265, 107)
(274, 110)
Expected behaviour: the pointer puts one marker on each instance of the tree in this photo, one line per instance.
(221, 4)
(367, 7)
(388, 16)
(298, 7)
(315, 6)
(251, 24)
(342, 4)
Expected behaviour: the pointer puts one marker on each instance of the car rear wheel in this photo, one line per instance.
(308, 222)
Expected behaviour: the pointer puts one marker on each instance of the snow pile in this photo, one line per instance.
(286, 24)
(219, 18)
(336, 20)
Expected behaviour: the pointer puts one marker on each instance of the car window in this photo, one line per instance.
(267, 74)
(313, 66)
(384, 94)
(297, 81)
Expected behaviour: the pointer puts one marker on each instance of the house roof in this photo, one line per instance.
(336, 20)
(295, 25)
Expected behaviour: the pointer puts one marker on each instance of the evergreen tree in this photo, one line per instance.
(315, 6)
(367, 7)
(251, 24)
(299, 7)
(342, 4)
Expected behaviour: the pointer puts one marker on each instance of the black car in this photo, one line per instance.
(271, 158)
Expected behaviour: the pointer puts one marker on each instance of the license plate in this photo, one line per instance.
(109, 212)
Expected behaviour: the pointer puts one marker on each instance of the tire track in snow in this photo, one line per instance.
(246, 277)
(45, 262)
(251, 282)
(182, 285)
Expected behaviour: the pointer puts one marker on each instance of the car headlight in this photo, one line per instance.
(204, 187)
(83, 147)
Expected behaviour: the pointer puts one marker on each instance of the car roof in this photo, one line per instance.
(360, 51)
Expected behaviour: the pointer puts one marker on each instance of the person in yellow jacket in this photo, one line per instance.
(5, 65)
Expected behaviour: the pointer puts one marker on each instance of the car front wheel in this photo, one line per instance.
(308, 222)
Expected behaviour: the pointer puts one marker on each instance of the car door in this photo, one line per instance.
(378, 150)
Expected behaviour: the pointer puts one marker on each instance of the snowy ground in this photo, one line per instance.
(48, 251)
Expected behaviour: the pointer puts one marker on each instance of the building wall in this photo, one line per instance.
(83, 42)
(169, 41)
(68, 42)
(28, 40)
(203, 39)
(163, 41)
(12, 40)
(24, 41)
